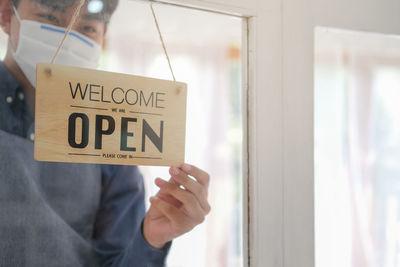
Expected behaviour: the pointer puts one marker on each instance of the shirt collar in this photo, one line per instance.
(8, 83)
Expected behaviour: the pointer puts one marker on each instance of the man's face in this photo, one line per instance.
(86, 23)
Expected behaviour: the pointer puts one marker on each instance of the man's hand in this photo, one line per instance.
(176, 210)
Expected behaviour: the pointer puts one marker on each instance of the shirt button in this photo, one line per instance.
(9, 99)
(21, 96)
(32, 136)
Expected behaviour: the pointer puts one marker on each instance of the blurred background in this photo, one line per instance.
(357, 149)
(205, 52)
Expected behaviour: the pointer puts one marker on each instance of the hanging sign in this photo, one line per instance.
(92, 116)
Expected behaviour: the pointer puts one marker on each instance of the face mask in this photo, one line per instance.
(38, 42)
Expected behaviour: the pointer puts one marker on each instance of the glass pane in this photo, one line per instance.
(357, 149)
(205, 52)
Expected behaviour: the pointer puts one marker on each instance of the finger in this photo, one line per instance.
(172, 180)
(165, 196)
(192, 186)
(189, 202)
(201, 176)
(176, 216)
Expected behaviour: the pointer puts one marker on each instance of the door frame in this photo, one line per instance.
(278, 89)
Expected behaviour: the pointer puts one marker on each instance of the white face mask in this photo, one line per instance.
(38, 42)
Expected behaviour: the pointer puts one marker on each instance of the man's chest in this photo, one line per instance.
(15, 115)
(42, 194)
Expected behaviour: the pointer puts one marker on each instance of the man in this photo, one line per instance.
(61, 214)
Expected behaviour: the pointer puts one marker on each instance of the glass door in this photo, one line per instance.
(205, 49)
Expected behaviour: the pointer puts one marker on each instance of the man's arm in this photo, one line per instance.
(118, 238)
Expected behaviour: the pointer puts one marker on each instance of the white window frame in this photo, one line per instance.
(279, 178)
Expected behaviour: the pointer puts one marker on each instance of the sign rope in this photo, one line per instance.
(72, 22)
(162, 40)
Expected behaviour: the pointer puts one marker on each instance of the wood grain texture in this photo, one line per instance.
(57, 97)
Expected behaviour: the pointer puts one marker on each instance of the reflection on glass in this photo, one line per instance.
(357, 149)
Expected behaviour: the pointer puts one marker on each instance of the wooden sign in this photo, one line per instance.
(92, 116)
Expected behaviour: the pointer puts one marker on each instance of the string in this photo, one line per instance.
(162, 41)
(74, 17)
(72, 22)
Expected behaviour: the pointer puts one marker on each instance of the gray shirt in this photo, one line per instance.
(64, 214)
